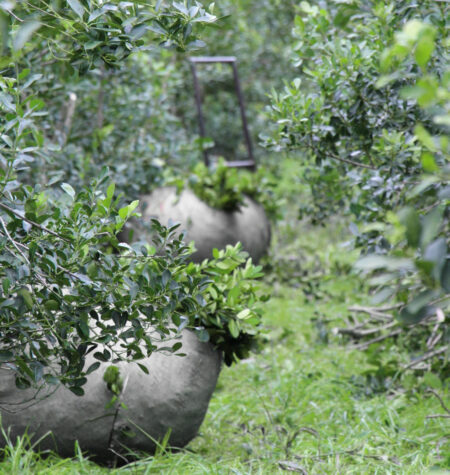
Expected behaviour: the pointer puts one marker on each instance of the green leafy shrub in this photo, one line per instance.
(224, 187)
(231, 309)
(376, 149)
(219, 186)
(417, 270)
(358, 139)
(122, 118)
(69, 287)
(100, 105)
(75, 31)
(65, 295)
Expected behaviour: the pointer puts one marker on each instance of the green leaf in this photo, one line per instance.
(436, 252)
(412, 318)
(100, 356)
(77, 390)
(234, 330)
(24, 34)
(386, 79)
(432, 380)
(7, 102)
(6, 283)
(424, 49)
(110, 192)
(143, 368)
(25, 294)
(77, 7)
(93, 367)
(84, 328)
(69, 190)
(243, 314)
(203, 335)
(111, 374)
(5, 61)
(6, 355)
(432, 223)
(92, 45)
(126, 211)
(233, 295)
(132, 206)
(422, 300)
(442, 119)
(411, 31)
(410, 219)
(177, 346)
(426, 139)
(445, 276)
(51, 305)
(92, 270)
(50, 379)
(425, 183)
(383, 295)
(429, 163)
(123, 212)
(166, 276)
(22, 383)
(182, 8)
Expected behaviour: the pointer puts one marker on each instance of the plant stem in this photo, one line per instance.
(36, 225)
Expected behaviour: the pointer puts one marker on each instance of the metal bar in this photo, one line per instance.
(250, 163)
(213, 59)
(243, 116)
(198, 102)
(241, 164)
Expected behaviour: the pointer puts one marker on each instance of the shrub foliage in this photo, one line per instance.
(69, 287)
(370, 110)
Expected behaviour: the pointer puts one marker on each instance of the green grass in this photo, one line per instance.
(297, 402)
(305, 403)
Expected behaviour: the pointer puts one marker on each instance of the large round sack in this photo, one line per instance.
(208, 227)
(173, 397)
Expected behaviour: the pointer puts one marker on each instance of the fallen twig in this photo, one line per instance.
(381, 308)
(426, 357)
(291, 467)
(446, 409)
(354, 452)
(377, 313)
(438, 416)
(366, 344)
(435, 336)
(434, 340)
(355, 332)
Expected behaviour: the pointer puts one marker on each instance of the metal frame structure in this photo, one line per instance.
(231, 60)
